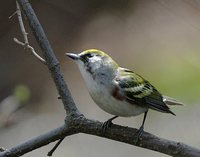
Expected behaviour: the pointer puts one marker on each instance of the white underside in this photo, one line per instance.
(103, 98)
(113, 106)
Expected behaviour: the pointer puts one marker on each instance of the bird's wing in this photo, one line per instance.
(139, 91)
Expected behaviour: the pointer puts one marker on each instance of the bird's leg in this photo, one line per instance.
(107, 124)
(138, 134)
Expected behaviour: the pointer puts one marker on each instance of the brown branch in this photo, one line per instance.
(76, 122)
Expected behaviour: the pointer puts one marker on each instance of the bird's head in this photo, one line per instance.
(90, 55)
(93, 60)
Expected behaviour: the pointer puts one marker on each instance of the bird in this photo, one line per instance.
(119, 91)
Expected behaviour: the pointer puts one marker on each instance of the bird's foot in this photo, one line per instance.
(107, 124)
(138, 135)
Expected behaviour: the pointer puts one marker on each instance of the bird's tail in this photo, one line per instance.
(171, 101)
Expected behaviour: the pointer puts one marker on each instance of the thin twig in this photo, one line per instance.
(50, 153)
(31, 49)
(12, 14)
(25, 44)
(19, 15)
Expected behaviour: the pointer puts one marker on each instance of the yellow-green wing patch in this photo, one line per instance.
(139, 91)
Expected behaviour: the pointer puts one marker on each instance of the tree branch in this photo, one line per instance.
(75, 122)
(41, 140)
(148, 141)
(51, 60)
(115, 132)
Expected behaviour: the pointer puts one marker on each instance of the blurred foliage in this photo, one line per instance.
(22, 93)
(179, 78)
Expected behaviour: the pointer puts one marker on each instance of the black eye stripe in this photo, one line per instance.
(86, 56)
(89, 55)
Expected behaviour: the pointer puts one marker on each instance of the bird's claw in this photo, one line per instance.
(106, 125)
(138, 135)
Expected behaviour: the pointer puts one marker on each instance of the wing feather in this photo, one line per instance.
(139, 91)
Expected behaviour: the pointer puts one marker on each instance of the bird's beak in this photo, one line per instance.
(73, 56)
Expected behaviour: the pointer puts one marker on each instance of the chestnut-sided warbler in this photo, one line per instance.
(119, 91)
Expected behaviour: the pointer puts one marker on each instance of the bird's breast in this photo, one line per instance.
(108, 98)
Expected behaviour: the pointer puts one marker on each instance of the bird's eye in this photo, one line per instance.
(86, 57)
(89, 55)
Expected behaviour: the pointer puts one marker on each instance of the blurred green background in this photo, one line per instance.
(159, 39)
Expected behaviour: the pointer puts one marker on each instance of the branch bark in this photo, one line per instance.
(123, 134)
(75, 122)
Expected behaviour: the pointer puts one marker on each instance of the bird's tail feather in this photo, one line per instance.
(171, 101)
